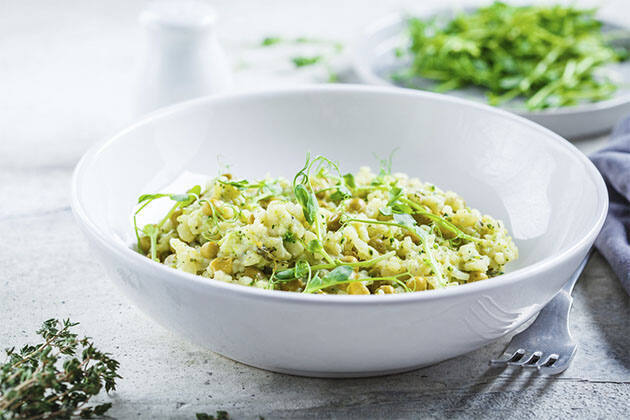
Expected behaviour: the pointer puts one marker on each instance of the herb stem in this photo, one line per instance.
(439, 220)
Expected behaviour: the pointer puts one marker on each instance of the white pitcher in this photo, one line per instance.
(182, 56)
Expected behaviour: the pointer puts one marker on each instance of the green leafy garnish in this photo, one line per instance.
(550, 55)
(223, 214)
(443, 223)
(270, 40)
(406, 222)
(308, 202)
(152, 230)
(57, 378)
(315, 246)
(337, 276)
(349, 180)
(342, 193)
(303, 61)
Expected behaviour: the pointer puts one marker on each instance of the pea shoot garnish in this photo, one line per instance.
(549, 55)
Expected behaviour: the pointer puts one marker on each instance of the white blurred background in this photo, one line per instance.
(68, 68)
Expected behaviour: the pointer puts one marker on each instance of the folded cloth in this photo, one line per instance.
(613, 161)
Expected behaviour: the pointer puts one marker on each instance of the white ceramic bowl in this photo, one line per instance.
(550, 196)
(374, 61)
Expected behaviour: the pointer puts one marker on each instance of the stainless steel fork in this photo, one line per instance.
(547, 344)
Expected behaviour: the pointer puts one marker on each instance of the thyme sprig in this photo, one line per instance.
(56, 378)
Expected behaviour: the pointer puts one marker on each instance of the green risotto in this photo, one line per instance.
(327, 233)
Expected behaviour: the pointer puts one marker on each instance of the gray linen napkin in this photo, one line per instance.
(613, 161)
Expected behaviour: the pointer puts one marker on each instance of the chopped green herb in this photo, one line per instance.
(289, 237)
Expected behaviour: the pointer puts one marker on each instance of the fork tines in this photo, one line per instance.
(522, 358)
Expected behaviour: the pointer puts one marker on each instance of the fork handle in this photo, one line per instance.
(568, 287)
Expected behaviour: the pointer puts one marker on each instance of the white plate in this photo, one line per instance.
(375, 61)
(550, 196)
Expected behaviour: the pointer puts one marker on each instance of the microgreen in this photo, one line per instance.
(242, 184)
(342, 193)
(349, 180)
(305, 196)
(308, 202)
(342, 275)
(395, 193)
(385, 168)
(303, 269)
(295, 272)
(551, 55)
(339, 275)
(152, 231)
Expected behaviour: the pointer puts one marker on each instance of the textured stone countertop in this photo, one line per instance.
(67, 72)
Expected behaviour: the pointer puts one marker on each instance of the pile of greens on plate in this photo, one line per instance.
(551, 56)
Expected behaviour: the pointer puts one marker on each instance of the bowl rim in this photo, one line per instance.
(366, 74)
(146, 265)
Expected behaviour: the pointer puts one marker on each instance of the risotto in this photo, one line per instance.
(328, 233)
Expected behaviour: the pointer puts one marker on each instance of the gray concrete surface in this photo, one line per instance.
(66, 80)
